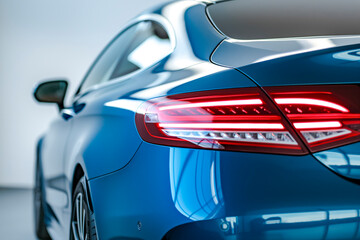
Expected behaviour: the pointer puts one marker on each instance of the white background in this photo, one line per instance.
(42, 39)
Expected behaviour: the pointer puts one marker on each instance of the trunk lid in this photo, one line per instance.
(301, 61)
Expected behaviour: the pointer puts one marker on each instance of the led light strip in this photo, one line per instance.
(214, 104)
(283, 137)
(318, 135)
(222, 125)
(310, 101)
(312, 125)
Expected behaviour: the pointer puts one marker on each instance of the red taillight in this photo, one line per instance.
(325, 116)
(237, 120)
(246, 120)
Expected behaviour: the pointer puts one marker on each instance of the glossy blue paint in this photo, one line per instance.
(343, 160)
(315, 225)
(191, 193)
(177, 186)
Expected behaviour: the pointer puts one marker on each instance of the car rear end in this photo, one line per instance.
(278, 158)
(272, 162)
(298, 178)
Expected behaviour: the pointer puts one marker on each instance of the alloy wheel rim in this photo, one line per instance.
(79, 228)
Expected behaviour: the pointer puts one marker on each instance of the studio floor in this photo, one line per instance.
(16, 214)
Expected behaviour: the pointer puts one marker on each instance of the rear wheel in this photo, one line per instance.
(82, 218)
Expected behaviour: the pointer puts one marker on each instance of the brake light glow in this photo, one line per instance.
(215, 104)
(325, 116)
(313, 118)
(317, 125)
(223, 125)
(234, 119)
(311, 101)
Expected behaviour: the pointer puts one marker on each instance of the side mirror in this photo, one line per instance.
(52, 92)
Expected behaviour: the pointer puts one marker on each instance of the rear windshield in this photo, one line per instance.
(263, 19)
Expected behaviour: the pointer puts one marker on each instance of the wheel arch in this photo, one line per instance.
(78, 174)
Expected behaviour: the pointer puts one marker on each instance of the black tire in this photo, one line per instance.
(39, 215)
(85, 228)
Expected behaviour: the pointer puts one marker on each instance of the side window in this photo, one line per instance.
(138, 47)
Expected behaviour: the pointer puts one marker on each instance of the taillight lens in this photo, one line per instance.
(236, 120)
(326, 116)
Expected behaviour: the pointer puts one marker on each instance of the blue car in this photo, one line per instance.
(214, 120)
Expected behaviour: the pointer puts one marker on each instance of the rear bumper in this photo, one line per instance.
(190, 194)
(315, 225)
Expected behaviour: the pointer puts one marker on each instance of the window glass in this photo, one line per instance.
(264, 19)
(139, 47)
